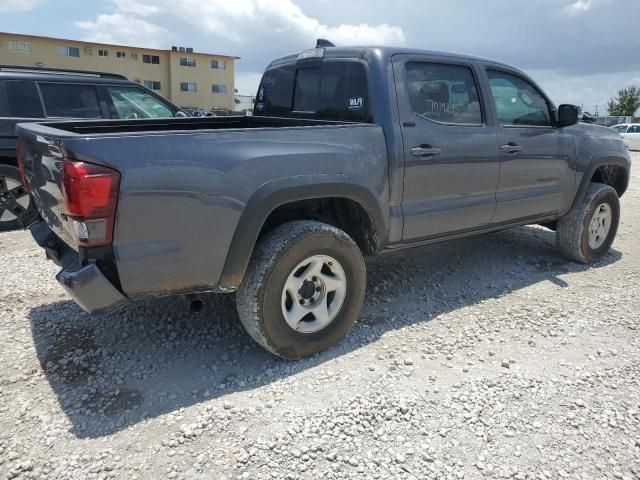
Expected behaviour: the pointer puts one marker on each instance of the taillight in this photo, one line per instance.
(90, 195)
(23, 176)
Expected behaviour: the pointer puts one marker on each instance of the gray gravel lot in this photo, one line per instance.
(490, 357)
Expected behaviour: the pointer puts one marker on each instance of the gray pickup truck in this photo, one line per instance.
(350, 152)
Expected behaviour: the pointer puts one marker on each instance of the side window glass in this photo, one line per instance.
(136, 103)
(517, 101)
(70, 100)
(443, 93)
(634, 129)
(23, 99)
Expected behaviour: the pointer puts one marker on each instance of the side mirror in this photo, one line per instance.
(180, 114)
(568, 115)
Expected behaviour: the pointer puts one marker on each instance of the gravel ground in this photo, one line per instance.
(490, 357)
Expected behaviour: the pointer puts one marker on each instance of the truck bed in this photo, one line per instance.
(186, 185)
(93, 127)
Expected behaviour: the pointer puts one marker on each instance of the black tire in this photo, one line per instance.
(572, 234)
(260, 297)
(13, 200)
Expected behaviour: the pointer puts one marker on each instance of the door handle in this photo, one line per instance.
(511, 148)
(425, 151)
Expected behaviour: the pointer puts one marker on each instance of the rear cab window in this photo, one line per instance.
(327, 90)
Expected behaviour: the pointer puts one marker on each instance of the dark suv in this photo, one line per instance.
(34, 93)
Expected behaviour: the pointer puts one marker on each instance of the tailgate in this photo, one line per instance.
(42, 160)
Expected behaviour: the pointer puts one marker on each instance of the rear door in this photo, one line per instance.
(537, 159)
(72, 100)
(450, 149)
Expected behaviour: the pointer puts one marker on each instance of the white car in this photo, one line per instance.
(631, 134)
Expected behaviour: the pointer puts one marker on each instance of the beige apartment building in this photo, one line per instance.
(189, 79)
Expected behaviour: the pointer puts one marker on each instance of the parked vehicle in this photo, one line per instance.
(29, 93)
(350, 152)
(588, 118)
(197, 112)
(630, 133)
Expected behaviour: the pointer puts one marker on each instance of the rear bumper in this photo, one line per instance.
(86, 284)
(90, 289)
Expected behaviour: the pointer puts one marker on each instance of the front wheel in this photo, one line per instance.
(586, 233)
(303, 289)
(16, 206)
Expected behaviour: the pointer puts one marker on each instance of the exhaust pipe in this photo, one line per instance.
(194, 302)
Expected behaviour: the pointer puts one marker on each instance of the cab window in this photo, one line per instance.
(443, 93)
(131, 102)
(517, 102)
(327, 90)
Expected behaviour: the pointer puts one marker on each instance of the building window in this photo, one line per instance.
(103, 53)
(218, 88)
(187, 62)
(20, 47)
(154, 59)
(152, 84)
(69, 51)
(134, 56)
(188, 87)
(219, 64)
(121, 55)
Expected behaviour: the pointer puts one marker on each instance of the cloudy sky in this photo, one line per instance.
(580, 51)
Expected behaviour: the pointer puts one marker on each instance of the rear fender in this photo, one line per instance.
(276, 193)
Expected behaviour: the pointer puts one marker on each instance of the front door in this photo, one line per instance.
(450, 152)
(537, 171)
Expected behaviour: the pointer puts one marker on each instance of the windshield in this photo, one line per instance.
(131, 102)
(620, 128)
(325, 91)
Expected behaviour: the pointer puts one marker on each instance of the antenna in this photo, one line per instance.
(321, 42)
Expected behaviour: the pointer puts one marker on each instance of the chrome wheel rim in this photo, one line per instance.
(600, 225)
(14, 199)
(314, 293)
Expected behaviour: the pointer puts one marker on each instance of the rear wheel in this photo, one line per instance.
(587, 232)
(16, 206)
(303, 289)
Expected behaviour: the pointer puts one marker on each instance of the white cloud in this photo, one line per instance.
(239, 21)
(12, 6)
(135, 7)
(127, 29)
(579, 7)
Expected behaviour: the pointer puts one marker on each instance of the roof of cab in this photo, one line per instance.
(385, 53)
(22, 72)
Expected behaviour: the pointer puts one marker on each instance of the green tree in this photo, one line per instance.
(626, 103)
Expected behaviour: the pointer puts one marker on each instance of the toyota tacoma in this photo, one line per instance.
(350, 152)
